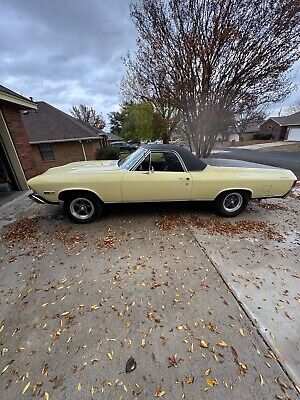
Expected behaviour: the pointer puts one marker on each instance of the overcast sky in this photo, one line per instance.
(68, 52)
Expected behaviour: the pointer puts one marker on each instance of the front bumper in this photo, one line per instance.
(40, 200)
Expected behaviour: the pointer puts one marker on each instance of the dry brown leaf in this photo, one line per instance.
(222, 344)
(159, 392)
(203, 344)
(46, 396)
(143, 342)
(242, 331)
(109, 355)
(261, 380)
(207, 372)
(189, 380)
(79, 387)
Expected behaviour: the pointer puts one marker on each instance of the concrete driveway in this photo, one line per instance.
(143, 282)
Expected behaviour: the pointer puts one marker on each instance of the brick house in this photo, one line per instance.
(16, 154)
(56, 138)
(283, 128)
(250, 130)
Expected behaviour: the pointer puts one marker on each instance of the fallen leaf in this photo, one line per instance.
(203, 344)
(243, 367)
(242, 331)
(222, 344)
(207, 372)
(130, 365)
(235, 355)
(143, 343)
(211, 382)
(64, 314)
(189, 380)
(46, 396)
(109, 355)
(79, 387)
(159, 392)
(181, 327)
(261, 380)
(4, 369)
(282, 383)
(26, 387)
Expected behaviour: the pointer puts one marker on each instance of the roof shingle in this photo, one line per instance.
(293, 119)
(48, 124)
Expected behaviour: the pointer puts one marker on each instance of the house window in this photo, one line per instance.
(46, 152)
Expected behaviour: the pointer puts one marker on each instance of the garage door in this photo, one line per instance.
(294, 134)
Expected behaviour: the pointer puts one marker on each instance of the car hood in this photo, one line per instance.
(85, 167)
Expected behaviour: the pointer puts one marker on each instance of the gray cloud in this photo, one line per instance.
(66, 52)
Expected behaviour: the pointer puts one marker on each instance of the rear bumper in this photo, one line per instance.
(40, 200)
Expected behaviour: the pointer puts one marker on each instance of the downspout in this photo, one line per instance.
(83, 150)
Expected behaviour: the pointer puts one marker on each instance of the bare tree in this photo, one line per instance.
(292, 109)
(88, 115)
(210, 60)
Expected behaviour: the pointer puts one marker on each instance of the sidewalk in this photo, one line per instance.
(261, 145)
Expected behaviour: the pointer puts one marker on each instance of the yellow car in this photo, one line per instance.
(158, 173)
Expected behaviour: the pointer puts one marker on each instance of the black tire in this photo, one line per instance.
(82, 207)
(231, 203)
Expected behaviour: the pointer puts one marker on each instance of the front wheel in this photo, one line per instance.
(230, 204)
(82, 208)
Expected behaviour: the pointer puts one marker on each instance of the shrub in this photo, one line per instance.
(108, 153)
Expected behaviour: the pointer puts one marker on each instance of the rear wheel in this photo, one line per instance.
(230, 204)
(82, 207)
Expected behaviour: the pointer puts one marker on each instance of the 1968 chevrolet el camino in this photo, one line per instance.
(158, 173)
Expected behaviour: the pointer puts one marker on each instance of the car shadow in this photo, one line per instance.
(149, 209)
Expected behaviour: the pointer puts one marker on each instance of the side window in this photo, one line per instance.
(165, 161)
(144, 165)
(172, 163)
(46, 152)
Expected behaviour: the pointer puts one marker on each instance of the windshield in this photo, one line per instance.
(129, 161)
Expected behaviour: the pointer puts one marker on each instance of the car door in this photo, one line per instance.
(162, 176)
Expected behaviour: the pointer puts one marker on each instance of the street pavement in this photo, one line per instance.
(78, 301)
(283, 159)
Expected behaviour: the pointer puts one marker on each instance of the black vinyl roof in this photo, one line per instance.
(192, 162)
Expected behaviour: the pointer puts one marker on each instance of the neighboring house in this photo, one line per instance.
(16, 155)
(283, 128)
(56, 138)
(250, 130)
(111, 137)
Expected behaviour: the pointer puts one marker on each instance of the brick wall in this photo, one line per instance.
(19, 137)
(271, 127)
(64, 153)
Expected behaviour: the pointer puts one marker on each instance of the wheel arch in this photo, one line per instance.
(244, 190)
(63, 194)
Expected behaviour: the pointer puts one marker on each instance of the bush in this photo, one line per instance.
(108, 153)
(261, 136)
